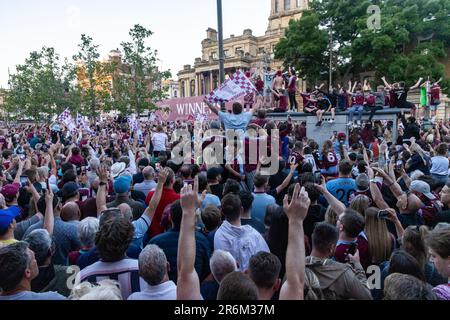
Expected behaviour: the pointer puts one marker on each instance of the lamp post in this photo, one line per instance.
(221, 52)
(331, 57)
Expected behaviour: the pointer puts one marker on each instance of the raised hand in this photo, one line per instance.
(49, 197)
(298, 207)
(190, 201)
(162, 175)
(322, 187)
(103, 174)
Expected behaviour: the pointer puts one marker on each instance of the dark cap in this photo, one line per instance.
(68, 190)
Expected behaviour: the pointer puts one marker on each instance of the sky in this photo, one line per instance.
(179, 26)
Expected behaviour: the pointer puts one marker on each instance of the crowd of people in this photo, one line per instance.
(278, 92)
(102, 214)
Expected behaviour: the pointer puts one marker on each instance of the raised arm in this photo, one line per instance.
(417, 84)
(102, 191)
(151, 209)
(19, 172)
(53, 170)
(211, 107)
(354, 86)
(49, 219)
(334, 203)
(394, 219)
(386, 84)
(392, 184)
(375, 191)
(287, 180)
(31, 189)
(188, 283)
(296, 211)
(437, 82)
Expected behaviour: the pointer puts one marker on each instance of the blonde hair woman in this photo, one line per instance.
(331, 216)
(360, 204)
(381, 242)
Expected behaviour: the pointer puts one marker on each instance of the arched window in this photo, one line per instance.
(276, 6)
(183, 92)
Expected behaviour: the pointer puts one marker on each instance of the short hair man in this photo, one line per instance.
(241, 241)
(18, 267)
(337, 280)
(264, 269)
(153, 268)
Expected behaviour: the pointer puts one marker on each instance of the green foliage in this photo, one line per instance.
(392, 50)
(137, 86)
(297, 49)
(41, 86)
(94, 91)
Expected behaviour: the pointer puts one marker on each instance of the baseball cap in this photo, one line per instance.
(362, 182)
(212, 173)
(9, 191)
(56, 127)
(7, 216)
(70, 188)
(422, 187)
(122, 184)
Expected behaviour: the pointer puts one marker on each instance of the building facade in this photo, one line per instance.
(172, 88)
(246, 51)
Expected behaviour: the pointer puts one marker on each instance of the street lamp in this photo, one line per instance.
(221, 52)
(331, 56)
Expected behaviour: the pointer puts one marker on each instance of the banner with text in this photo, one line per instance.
(185, 109)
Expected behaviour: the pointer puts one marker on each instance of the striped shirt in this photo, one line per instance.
(125, 271)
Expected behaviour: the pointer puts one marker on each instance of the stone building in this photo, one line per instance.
(245, 51)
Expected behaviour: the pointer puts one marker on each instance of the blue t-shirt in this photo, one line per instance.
(235, 121)
(260, 202)
(342, 189)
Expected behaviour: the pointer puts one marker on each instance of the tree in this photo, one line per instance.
(94, 78)
(392, 50)
(137, 83)
(41, 87)
(298, 51)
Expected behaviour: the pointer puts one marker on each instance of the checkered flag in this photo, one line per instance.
(135, 127)
(65, 117)
(236, 86)
(243, 82)
(132, 123)
(81, 122)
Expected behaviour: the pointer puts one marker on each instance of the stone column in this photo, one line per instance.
(211, 84)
